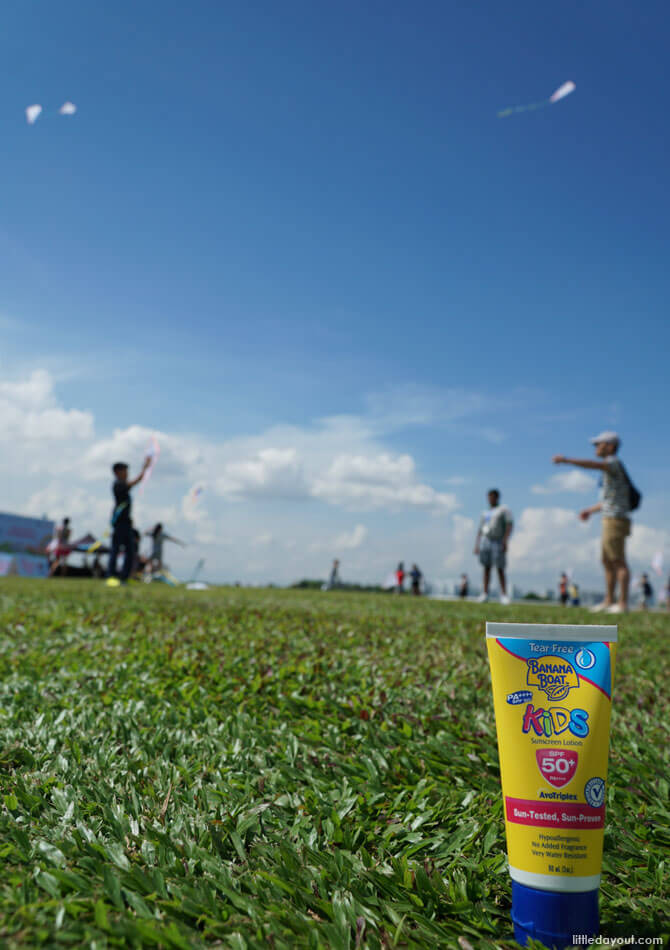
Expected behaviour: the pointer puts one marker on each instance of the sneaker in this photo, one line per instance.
(482, 599)
(504, 599)
(598, 609)
(616, 609)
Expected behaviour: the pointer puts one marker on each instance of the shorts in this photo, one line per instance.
(615, 532)
(491, 554)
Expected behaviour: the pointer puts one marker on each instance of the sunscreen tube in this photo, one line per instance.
(552, 695)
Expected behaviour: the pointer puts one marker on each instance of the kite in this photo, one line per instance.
(35, 111)
(560, 93)
(194, 584)
(97, 544)
(563, 91)
(153, 452)
(198, 567)
(195, 494)
(32, 114)
(164, 577)
(657, 563)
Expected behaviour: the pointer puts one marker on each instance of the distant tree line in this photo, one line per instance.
(307, 584)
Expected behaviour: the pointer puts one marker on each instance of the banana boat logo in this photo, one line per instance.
(553, 675)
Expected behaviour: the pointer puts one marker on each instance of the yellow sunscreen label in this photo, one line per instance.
(552, 693)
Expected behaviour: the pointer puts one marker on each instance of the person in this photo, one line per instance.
(463, 587)
(415, 576)
(139, 561)
(647, 592)
(493, 534)
(573, 590)
(563, 589)
(400, 578)
(96, 567)
(61, 548)
(615, 506)
(122, 525)
(158, 537)
(334, 579)
(335, 574)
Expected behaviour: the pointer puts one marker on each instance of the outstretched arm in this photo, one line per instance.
(168, 537)
(145, 466)
(580, 463)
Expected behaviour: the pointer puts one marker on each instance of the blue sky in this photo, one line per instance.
(270, 214)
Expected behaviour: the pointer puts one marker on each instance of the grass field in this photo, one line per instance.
(279, 769)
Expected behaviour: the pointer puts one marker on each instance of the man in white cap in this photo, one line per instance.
(615, 506)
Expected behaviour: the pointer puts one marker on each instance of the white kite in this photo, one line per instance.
(563, 91)
(33, 113)
(152, 454)
(560, 93)
(657, 563)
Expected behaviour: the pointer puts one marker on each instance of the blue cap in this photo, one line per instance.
(554, 917)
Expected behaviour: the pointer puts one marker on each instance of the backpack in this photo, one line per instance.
(634, 496)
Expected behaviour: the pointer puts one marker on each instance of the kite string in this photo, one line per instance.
(560, 93)
(504, 113)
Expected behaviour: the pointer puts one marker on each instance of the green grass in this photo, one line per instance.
(285, 769)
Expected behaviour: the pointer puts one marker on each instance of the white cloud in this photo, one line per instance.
(349, 540)
(177, 455)
(548, 540)
(378, 481)
(467, 411)
(273, 472)
(492, 434)
(574, 480)
(412, 405)
(306, 470)
(31, 419)
(263, 540)
(73, 501)
(291, 486)
(366, 470)
(553, 539)
(645, 542)
(36, 392)
(461, 541)
(336, 463)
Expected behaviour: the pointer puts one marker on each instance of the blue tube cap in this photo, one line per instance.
(554, 917)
